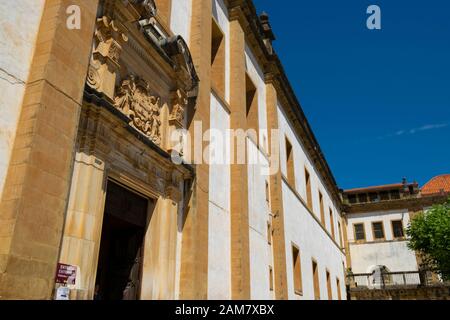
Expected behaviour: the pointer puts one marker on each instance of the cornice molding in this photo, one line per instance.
(245, 12)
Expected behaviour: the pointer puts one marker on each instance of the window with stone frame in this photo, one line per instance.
(338, 286)
(217, 59)
(290, 163)
(329, 290)
(332, 224)
(397, 229)
(378, 230)
(270, 278)
(308, 190)
(360, 234)
(297, 270)
(251, 99)
(316, 283)
(322, 210)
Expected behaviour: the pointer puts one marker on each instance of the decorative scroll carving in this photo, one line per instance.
(179, 104)
(135, 101)
(177, 49)
(108, 40)
(93, 77)
(109, 37)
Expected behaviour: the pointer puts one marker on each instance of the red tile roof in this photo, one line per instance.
(437, 185)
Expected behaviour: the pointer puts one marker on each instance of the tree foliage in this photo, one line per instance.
(429, 234)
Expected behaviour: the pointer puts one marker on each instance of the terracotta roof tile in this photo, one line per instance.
(437, 185)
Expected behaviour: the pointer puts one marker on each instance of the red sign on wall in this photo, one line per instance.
(66, 274)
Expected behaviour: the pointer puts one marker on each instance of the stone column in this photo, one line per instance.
(34, 201)
(276, 197)
(240, 247)
(82, 230)
(194, 256)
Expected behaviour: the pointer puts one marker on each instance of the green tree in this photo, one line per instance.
(429, 234)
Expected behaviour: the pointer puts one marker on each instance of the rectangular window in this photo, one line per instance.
(340, 234)
(217, 59)
(362, 197)
(270, 278)
(352, 198)
(315, 272)
(359, 231)
(322, 213)
(267, 192)
(384, 195)
(338, 286)
(373, 196)
(378, 231)
(330, 294)
(298, 286)
(397, 229)
(395, 194)
(251, 99)
(332, 224)
(269, 233)
(308, 190)
(290, 164)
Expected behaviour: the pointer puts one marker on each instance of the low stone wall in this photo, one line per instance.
(440, 292)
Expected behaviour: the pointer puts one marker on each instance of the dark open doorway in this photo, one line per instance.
(120, 256)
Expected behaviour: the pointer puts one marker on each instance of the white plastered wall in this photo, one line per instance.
(19, 24)
(219, 227)
(180, 20)
(395, 255)
(259, 215)
(302, 229)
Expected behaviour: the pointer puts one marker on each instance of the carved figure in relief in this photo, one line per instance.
(124, 98)
(134, 100)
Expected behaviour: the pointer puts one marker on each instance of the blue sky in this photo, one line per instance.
(377, 100)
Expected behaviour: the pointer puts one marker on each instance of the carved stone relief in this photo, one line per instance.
(108, 40)
(179, 103)
(135, 101)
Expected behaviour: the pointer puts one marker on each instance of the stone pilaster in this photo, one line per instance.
(194, 256)
(240, 248)
(160, 244)
(83, 225)
(346, 244)
(34, 200)
(276, 199)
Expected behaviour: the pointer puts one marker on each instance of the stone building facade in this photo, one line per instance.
(377, 218)
(92, 121)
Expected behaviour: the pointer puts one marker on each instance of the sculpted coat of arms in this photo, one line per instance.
(135, 101)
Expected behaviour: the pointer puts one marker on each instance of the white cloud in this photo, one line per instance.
(416, 130)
